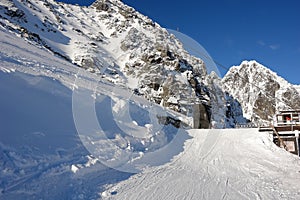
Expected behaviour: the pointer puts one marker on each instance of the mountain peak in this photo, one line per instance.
(250, 66)
(260, 91)
(127, 48)
(114, 41)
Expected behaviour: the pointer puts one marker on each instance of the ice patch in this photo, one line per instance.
(74, 168)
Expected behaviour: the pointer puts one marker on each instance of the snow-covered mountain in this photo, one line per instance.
(123, 46)
(260, 91)
(42, 156)
(53, 113)
(45, 103)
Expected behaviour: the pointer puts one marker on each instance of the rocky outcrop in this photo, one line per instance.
(260, 91)
(121, 45)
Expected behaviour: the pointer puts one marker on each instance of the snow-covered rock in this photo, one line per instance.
(42, 149)
(226, 112)
(112, 39)
(260, 91)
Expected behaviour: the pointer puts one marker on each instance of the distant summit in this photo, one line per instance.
(260, 91)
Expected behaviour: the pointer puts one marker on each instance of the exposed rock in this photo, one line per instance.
(101, 5)
(112, 39)
(260, 91)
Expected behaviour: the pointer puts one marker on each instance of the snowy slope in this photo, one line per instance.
(42, 148)
(260, 91)
(69, 134)
(112, 39)
(44, 157)
(218, 164)
(39, 145)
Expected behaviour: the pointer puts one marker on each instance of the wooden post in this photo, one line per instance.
(297, 141)
(279, 138)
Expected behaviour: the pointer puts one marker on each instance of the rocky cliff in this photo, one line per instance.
(118, 43)
(260, 91)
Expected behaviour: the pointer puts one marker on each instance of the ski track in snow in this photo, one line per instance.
(215, 164)
(242, 164)
(39, 144)
(38, 140)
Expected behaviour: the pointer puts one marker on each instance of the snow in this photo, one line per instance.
(173, 100)
(208, 164)
(44, 157)
(3, 69)
(218, 164)
(93, 38)
(69, 134)
(298, 87)
(40, 144)
(74, 168)
(251, 83)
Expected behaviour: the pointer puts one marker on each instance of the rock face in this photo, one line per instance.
(111, 39)
(226, 112)
(121, 45)
(260, 91)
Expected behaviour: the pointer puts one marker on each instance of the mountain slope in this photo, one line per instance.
(113, 40)
(39, 145)
(260, 91)
(44, 152)
(42, 142)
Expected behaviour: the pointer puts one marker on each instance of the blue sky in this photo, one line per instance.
(234, 30)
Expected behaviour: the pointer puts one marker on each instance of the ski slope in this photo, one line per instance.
(218, 164)
(42, 149)
(41, 154)
(43, 157)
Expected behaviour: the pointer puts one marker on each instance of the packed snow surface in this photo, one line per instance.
(42, 155)
(218, 164)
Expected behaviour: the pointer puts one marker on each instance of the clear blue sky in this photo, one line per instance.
(234, 30)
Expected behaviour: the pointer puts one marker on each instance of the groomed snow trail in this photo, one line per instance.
(215, 164)
(218, 164)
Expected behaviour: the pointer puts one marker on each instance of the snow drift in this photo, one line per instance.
(46, 154)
